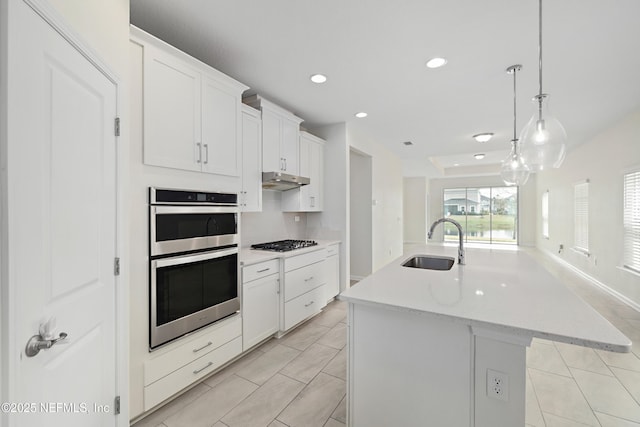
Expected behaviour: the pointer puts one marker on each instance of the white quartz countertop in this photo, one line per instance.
(254, 256)
(506, 291)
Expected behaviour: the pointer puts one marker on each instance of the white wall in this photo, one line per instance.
(603, 161)
(386, 191)
(360, 221)
(104, 25)
(333, 222)
(415, 210)
(526, 203)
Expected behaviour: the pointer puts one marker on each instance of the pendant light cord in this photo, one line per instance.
(539, 47)
(515, 70)
(540, 59)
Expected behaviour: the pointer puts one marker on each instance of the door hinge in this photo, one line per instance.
(116, 266)
(116, 405)
(117, 126)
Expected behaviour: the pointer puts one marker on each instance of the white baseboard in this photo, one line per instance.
(622, 298)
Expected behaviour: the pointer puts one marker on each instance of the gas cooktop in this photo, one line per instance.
(284, 245)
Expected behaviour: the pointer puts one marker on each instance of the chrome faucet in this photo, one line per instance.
(460, 234)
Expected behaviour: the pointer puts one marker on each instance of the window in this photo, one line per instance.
(545, 214)
(581, 216)
(631, 221)
(487, 215)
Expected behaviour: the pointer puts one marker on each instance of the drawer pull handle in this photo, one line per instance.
(310, 278)
(263, 270)
(195, 350)
(307, 305)
(197, 371)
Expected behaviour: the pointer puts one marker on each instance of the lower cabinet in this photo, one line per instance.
(333, 270)
(304, 287)
(260, 301)
(306, 305)
(174, 368)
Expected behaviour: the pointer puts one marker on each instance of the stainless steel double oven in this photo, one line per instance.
(193, 262)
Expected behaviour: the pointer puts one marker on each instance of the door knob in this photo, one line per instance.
(45, 339)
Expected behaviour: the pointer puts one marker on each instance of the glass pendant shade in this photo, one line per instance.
(543, 140)
(514, 171)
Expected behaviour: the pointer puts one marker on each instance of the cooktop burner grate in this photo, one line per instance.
(284, 245)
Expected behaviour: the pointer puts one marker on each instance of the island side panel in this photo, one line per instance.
(406, 369)
(503, 402)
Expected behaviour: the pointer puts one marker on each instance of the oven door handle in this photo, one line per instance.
(164, 210)
(187, 259)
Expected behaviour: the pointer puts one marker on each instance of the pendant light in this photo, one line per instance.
(514, 171)
(543, 139)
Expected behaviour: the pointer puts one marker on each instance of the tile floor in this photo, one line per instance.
(299, 380)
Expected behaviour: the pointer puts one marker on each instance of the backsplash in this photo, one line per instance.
(271, 224)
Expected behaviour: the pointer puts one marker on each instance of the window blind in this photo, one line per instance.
(631, 221)
(581, 216)
(545, 214)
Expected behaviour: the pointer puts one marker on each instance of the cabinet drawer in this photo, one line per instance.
(298, 309)
(301, 260)
(302, 280)
(256, 271)
(189, 349)
(332, 250)
(171, 384)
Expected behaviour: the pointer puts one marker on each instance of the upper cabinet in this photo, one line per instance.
(192, 112)
(251, 193)
(308, 198)
(280, 133)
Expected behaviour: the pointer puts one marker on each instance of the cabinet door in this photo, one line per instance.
(271, 158)
(305, 170)
(251, 197)
(333, 276)
(316, 166)
(220, 128)
(171, 112)
(259, 310)
(289, 145)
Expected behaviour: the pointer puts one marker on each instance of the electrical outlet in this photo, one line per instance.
(497, 385)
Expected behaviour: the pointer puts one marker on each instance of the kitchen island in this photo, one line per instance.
(448, 348)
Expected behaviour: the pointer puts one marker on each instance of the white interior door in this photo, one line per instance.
(61, 226)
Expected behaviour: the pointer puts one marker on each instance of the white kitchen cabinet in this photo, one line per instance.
(221, 126)
(304, 288)
(178, 365)
(304, 306)
(308, 198)
(260, 302)
(332, 266)
(251, 193)
(192, 112)
(171, 111)
(280, 137)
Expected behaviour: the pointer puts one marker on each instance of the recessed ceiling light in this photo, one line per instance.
(456, 164)
(318, 78)
(479, 156)
(483, 137)
(436, 62)
(361, 115)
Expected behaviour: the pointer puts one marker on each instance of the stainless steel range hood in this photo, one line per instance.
(282, 181)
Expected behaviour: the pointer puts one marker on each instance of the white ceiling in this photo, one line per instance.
(373, 53)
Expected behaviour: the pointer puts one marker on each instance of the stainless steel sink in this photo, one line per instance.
(430, 262)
